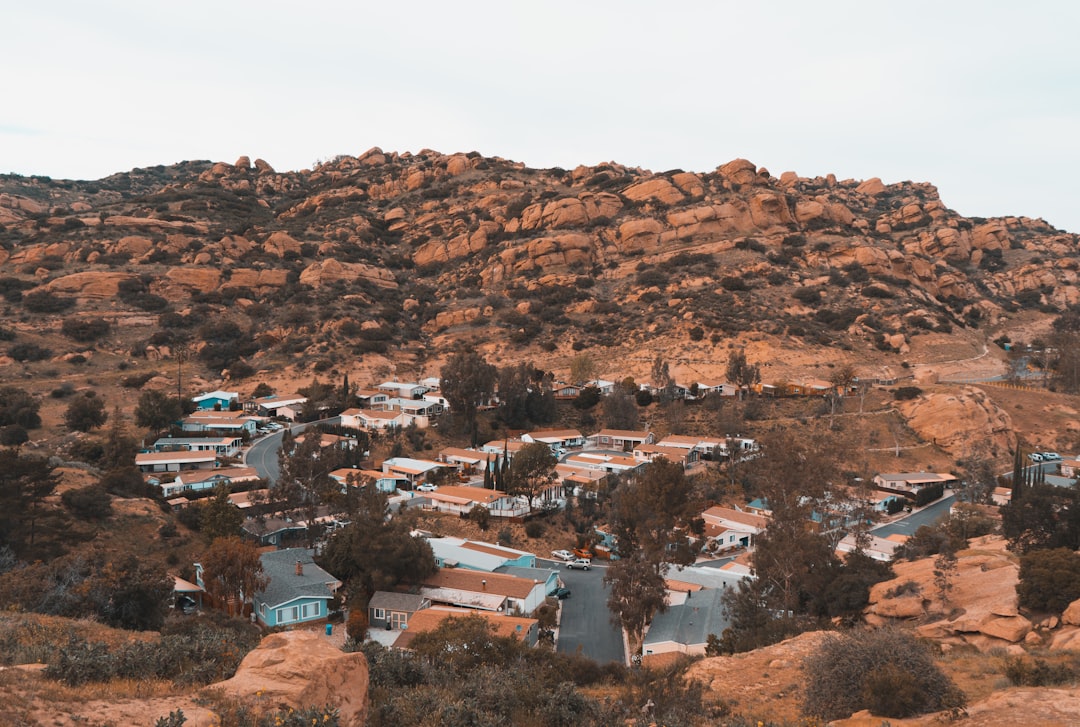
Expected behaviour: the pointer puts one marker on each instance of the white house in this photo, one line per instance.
(384, 481)
(223, 446)
(174, 461)
(221, 400)
(204, 479)
(621, 439)
(404, 390)
(415, 470)
(565, 438)
(603, 462)
(374, 419)
(483, 591)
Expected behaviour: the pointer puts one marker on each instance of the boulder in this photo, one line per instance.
(303, 669)
(658, 189)
(1010, 628)
(739, 171)
(1071, 617)
(281, 243)
(872, 187)
(92, 285)
(956, 422)
(202, 279)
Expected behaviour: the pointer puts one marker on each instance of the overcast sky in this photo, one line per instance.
(981, 99)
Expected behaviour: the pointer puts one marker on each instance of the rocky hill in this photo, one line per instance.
(406, 254)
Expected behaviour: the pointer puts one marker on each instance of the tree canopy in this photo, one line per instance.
(467, 381)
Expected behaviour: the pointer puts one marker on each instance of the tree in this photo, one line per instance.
(84, 330)
(1049, 580)
(373, 553)
(532, 470)
(119, 449)
(662, 381)
(944, 573)
(304, 483)
(638, 591)
(582, 369)
(884, 670)
(138, 597)
(25, 482)
(514, 387)
(1044, 517)
(467, 381)
(740, 373)
(653, 512)
(232, 571)
(620, 410)
(19, 407)
(156, 410)
(218, 517)
(464, 644)
(85, 413)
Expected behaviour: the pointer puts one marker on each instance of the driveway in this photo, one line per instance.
(926, 516)
(586, 626)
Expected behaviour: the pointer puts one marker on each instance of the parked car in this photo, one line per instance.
(582, 563)
(427, 487)
(561, 593)
(562, 555)
(1035, 457)
(1050, 456)
(187, 605)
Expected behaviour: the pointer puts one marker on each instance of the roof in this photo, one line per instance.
(280, 400)
(242, 500)
(465, 455)
(679, 440)
(690, 623)
(285, 585)
(700, 577)
(916, 477)
(481, 582)
(186, 456)
(560, 434)
(737, 516)
(495, 550)
(431, 618)
(219, 394)
(233, 474)
(182, 586)
(459, 495)
(414, 466)
(532, 574)
(453, 550)
(510, 445)
(675, 454)
(621, 434)
(188, 441)
(391, 601)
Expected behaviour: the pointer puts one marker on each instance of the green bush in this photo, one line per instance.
(534, 529)
(885, 670)
(45, 302)
(29, 352)
(905, 393)
(84, 330)
(1049, 580)
(88, 503)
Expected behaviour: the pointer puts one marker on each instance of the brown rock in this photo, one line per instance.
(243, 163)
(328, 271)
(94, 285)
(1071, 617)
(872, 186)
(202, 279)
(1012, 629)
(739, 171)
(643, 234)
(263, 167)
(255, 279)
(957, 421)
(657, 188)
(133, 245)
(280, 243)
(301, 669)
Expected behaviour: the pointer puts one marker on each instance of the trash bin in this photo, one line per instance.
(329, 629)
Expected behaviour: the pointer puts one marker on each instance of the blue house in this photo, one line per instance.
(298, 592)
(219, 400)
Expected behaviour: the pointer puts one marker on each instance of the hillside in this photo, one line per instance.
(406, 254)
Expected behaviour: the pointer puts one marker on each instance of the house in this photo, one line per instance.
(284, 405)
(652, 452)
(451, 552)
(716, 388)
(585, 481)
(609, 463)
(207, 479)
(466, 461)
(219, 400)
(605, 387)
(429, 619)
(619, 439)
(249, 498)
(327, 441)
(225, 423)
(222, 446)
(548, 576)
(375, 419)
(404, 390)
(439, 400)
(174, 461)
(690, 579)
(415, 408)
(911, 483)
(737, 529)
(497, 592)
(298, 591)
(461, 500)
(372, 399)
(415, 470)
(1001, 496)
(501, 447)
(684, 629)
(433, 383)
(1069, 468)
(567, 391)
(384, 481)
(276, 530)
(387, 610)
(564, 438)
(877, 548)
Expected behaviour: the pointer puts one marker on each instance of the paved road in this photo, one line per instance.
(586, 626)
(263, 454)
(926, 516)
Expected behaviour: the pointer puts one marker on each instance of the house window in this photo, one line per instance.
(288, 615)
(310, 610)
(399, 620)
(379, 613)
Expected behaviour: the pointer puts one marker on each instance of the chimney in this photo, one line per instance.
(299, 568)
(483, 584)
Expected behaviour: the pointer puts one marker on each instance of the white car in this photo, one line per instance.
(582, 563)
(1035, 457)
(1050, 456)
(427, 487)
(562, 554)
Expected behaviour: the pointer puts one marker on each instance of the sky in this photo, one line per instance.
(981, 99)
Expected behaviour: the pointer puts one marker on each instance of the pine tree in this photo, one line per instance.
(488, 484)
(1018, 474)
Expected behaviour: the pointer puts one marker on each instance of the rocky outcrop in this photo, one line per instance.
(89, 285)
(301, 669)
(957, 421)
(331, 271)
(577, 211)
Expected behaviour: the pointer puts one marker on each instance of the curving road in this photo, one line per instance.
(263, 454)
